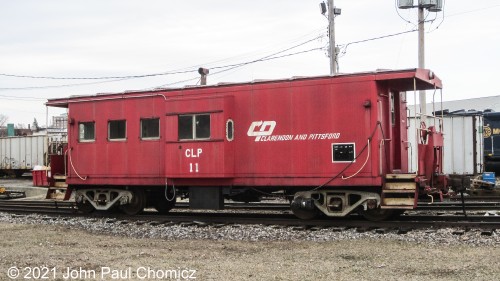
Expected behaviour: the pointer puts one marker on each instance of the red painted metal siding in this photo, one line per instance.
(283, 133)
(131, 161)
(212, 158)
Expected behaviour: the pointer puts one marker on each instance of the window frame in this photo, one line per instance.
(109, 130)
(80, 139)
(141, 129)
(392, 108)
(230, 130)
(194, 136)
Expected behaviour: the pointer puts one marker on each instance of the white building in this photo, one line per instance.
(463, 133)
(477, 104)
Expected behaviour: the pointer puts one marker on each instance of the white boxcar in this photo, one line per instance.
(463, 144)
(21, 154)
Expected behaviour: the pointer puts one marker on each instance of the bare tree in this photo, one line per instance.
(3, 119)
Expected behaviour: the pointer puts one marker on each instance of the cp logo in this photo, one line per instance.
(261, 128)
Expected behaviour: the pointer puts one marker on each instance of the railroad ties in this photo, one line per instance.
(244, 215)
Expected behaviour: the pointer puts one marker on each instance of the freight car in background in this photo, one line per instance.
(463, 142)
(19, 155)
(332, 144)
(491, 133)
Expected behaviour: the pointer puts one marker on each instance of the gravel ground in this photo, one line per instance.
(247, 252)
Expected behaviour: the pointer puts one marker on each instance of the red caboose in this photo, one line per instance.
(331, 144)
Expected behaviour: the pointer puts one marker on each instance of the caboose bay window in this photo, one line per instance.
(117, 130)
(86, 131)
(194, 127)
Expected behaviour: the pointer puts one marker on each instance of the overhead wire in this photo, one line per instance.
(442, 18)
(122, 78)
(418, 22)
(178, 71)
(223, 68)
(273, 54)
(267, 59)
(235, 66)
(397, 11)
(61, 86)
(96, 78)
(7, 97)
(190, 69)
(472, 11)
(298, 39)
(344, 46)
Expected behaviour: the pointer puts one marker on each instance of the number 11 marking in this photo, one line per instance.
(196, 170)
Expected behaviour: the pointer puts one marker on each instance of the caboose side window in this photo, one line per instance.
(194, 127)
(393, 112)
(117, 130)
(150, 128)
(86, 131)
(230, 130)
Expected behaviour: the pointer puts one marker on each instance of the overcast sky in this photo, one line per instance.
(104, 38)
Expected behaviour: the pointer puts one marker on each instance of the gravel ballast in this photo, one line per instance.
(242, 252)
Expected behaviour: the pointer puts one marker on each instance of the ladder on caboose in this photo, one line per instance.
(399, 192)
(57, 191)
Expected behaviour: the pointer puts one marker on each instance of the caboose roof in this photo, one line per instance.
(401, 80)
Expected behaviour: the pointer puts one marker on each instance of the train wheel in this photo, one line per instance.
(137, 204)
(379, 214)
(304, 208)
(85, 207)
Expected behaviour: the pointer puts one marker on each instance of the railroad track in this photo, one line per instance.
(276, 206)
(239, 215)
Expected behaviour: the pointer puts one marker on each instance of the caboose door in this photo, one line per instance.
(199, 133)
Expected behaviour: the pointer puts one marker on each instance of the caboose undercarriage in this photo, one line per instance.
(129, 200)
(399, 193)
(304, 204)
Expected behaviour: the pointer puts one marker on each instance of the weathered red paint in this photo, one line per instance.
(295, 121)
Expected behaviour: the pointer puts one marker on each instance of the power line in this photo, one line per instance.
(6, 97)
(62, 86)
(271, 56)
(224, 68)
(375, 38)
(234, 66)
(181, 71)
(472, 11)
(442, 19)
(121, 78)
(249, 55)
(96, 78)
(267, 59)
(173, 83)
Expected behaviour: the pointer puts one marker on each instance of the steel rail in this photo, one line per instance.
(267, 206)
(240, 218)
(438, 206)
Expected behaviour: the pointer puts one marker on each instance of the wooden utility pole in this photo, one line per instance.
(421, 56)
(331, 33)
